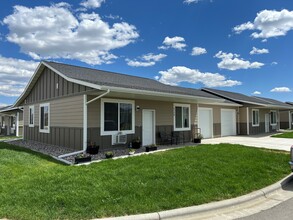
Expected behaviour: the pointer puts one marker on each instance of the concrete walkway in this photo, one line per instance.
(262, 141)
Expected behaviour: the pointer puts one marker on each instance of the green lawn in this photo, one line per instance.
(284, 135)
(33, 186)
(3, 138)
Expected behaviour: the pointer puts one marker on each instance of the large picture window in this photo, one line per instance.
(117, 116)
(255, 117)
(45, 118)
(181, 117)
(31, 116)
(273, 118)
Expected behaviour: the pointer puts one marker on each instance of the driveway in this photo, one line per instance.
(262, 141)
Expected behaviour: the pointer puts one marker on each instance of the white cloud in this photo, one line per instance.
(268, 23)
(146, 60)
(258, 51)
(198, 51)
(190, 1)
(176, 42)
(54, 32)
(256, 93)
(178, 74)
(2, 105)
(281, 89)
(92, 3)
(14, 75)
(232, 61)
(274, 63)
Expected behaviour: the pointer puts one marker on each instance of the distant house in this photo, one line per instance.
(69, 106)
(257, 114)
(11, 121)
(286, 118)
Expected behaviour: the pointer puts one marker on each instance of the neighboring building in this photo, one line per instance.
(11, 121)
(286, 118)
(69, 106)
(257, 114)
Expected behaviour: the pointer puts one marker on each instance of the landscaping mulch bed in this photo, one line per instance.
(56, 151)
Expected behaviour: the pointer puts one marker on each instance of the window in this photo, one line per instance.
(31, 116)
(12, 122)
(45, 118)
(117, 116)
(181, 117)
(273, 118)
(255, 117)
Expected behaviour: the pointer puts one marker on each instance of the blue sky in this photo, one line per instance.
(240, 46)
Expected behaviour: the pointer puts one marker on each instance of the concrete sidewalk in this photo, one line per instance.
(262, 141)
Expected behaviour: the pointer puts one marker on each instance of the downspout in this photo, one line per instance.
(85, 103)
(17, 124)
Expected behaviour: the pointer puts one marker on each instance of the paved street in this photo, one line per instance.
(282, 211)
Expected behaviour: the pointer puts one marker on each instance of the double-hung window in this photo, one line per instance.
(31, 117)
(273, 118)
(255, 117)
(117, 116)
(181, 117)
(45, 118)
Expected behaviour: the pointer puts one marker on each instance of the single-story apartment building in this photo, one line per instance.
(70, 106)
(11, 121)
(257, 114)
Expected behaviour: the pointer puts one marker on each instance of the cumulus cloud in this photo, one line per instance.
(256, 93)
(14, 75)
(176, 42)
(258, 51)
(196, 51)
(268, 23)
(232, 61)
(146, 60)
(92, 3)
(55, 32)
(281, 89)
(178, 74)
(2, 105)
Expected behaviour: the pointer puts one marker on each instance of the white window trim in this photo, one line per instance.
(174, 117)
(255, 125)
(276, 119)
(103, 133)
(44, 130)
(29, 116)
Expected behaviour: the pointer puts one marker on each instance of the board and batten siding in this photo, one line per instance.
(50, 86)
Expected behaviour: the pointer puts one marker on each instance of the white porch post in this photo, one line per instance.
(84, 122)
(17, 124)
(247, 119)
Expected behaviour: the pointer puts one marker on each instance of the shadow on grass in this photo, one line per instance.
(26, 150)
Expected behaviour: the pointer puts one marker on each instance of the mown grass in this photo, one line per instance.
(33, 186)
(284, 135)
(3, 138)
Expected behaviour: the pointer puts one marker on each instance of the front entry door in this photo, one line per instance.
(148, 127)
(267, 123)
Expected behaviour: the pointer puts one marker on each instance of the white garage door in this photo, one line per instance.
(205, 122)
(228, 122)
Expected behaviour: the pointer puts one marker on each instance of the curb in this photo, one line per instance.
(204, 208)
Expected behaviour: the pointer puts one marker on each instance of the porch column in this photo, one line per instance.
(84, 122)
(17, 124)
(247, 119)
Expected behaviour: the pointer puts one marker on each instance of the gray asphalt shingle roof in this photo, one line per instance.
(105, 78)
(237, 97)
(242, 99)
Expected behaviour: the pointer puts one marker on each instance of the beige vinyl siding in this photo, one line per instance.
(66, 112)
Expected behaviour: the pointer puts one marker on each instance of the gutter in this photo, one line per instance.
(85, 103)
